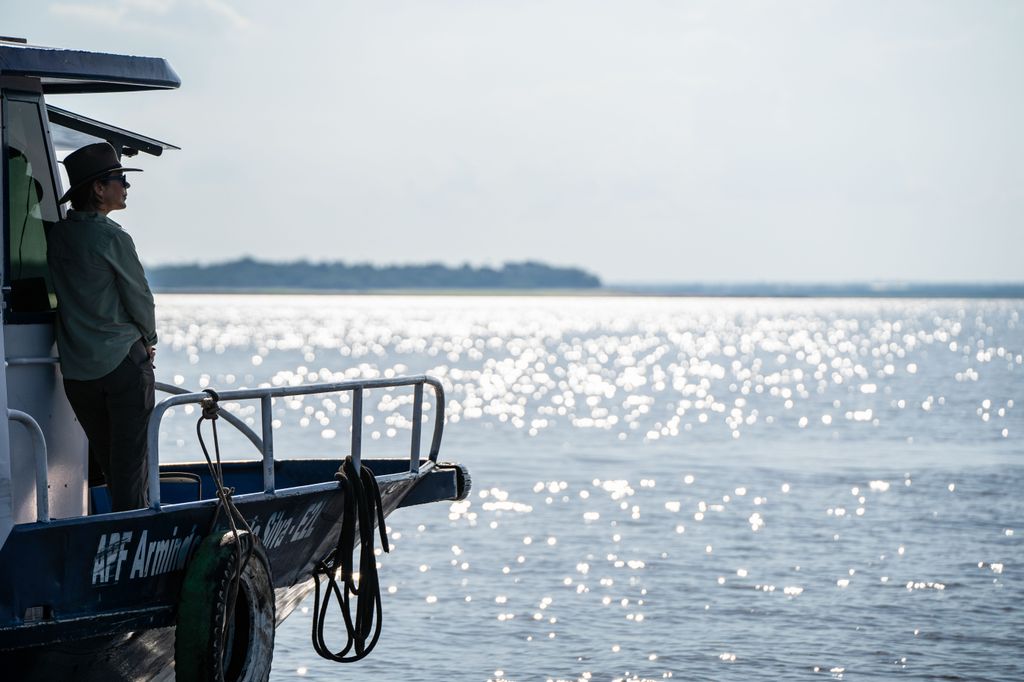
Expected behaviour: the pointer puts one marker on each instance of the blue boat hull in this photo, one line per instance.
(95, 597)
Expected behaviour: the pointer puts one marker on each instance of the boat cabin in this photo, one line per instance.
(74, 581)
(41, 445)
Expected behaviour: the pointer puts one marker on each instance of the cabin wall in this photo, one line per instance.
(6, 496)
(32, 382)
(37, 389)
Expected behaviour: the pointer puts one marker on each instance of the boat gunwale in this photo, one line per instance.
(255, 497)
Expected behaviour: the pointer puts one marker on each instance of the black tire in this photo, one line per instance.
(213, 641)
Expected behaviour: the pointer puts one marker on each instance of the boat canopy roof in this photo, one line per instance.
(75, 71)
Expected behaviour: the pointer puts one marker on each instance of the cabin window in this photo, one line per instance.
(30, 205)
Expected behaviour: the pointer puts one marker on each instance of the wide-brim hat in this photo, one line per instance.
(89, 163)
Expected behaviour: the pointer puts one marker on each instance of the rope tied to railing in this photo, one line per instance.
(362, 508)
(210, 411)
(210, 404)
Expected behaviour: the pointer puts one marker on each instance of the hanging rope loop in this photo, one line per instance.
(336, 572)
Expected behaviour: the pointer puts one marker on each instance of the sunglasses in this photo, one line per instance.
(117, 178)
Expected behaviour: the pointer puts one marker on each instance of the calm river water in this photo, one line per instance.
(664, 488)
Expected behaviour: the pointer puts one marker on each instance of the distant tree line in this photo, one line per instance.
(250, 274)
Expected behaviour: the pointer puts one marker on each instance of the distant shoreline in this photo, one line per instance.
(250, 276)
(1008, 292)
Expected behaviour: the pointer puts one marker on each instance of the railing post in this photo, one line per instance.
(266, 403)
(357, 427)
(417, 420)
(153, 453)
(39, 455)
(435, 440)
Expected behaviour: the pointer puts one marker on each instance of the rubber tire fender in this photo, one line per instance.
(245, 654)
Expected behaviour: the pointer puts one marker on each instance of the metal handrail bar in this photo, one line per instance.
(42, 360)
(160, 386)
(265, 395)
(39, 455)
(228, 417)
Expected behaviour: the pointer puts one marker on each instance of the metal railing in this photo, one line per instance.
(227, 416)
(38, 439)
(41, 360)
(266, 444)
(39, 455)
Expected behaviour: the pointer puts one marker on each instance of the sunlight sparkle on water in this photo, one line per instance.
(783, 427)
(654, 377)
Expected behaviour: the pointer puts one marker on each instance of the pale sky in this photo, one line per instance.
(645, 141)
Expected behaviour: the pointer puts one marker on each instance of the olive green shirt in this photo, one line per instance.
(104, 303)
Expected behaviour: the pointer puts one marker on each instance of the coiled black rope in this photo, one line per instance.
(210, 412)
(362, 507)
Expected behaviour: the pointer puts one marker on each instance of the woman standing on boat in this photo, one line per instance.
(106, 324)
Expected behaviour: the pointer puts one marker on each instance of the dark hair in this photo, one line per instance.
(83, 198)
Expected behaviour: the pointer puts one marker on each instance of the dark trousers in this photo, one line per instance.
(114, 412)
